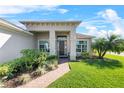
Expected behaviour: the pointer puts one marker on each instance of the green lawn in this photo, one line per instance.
(94, 74)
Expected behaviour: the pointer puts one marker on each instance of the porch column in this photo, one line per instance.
(72, 45)
(89, 48)
(52, 39)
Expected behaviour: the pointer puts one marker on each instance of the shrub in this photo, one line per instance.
(31, 60)
(52, 62)
(24, 78)
(52, 59)
(22, 64)
(51, 66)
(39, 71)
(30, 53)
(19, 65)
(28, 64)
(85, 54)
(42, 58)
(4, 70)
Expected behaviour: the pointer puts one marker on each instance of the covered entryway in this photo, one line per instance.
(54, 27)
(62, 46)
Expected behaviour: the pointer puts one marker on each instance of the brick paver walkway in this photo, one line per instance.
(48, 78)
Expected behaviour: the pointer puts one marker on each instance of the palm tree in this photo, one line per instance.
(112, 43)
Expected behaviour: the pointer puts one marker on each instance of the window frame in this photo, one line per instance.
(85, 43)
(46, 40)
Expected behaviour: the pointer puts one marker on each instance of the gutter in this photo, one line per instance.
(13, 26)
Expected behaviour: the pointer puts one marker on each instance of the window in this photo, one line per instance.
(81, 46)
(44, 46)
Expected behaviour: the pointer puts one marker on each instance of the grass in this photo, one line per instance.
(95, 73)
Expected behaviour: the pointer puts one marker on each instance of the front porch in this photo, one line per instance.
(57, 38)
(61, 42)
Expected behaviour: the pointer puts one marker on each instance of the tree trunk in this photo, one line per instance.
(100, 56)
(104, 53)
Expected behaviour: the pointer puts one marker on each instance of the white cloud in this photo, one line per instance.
(92, 30)
(17, 9)
(113, 17)
(54, 8)
(25, 9)
(62, 11)
(108, 16)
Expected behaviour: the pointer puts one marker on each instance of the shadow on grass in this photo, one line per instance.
(104, 63)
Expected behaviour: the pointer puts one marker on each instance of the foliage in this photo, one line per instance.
(39, 71)
(16, 66)
(85, 54)
(112, 43)
(51, 66)
(119, 46)
(4, 70)
(32, 54)
(24, 78)
(52, 59)
(21, 64)
(42, 58)
(31, 60)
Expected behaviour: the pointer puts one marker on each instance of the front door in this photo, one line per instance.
(62, 47)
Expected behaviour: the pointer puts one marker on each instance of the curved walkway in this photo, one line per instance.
(48, 78)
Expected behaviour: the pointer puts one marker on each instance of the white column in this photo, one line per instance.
(72, 45)
(52, 41)
(89, 47)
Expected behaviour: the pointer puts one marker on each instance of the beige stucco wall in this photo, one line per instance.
(40, 36)
(43, 35)
(14, 43)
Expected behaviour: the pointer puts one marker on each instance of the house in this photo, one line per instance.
(56, 37)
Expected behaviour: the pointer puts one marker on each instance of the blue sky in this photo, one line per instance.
(96, 20)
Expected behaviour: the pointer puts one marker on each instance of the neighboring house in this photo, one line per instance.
(56, 37)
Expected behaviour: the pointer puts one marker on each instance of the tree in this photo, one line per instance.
(112, 43)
